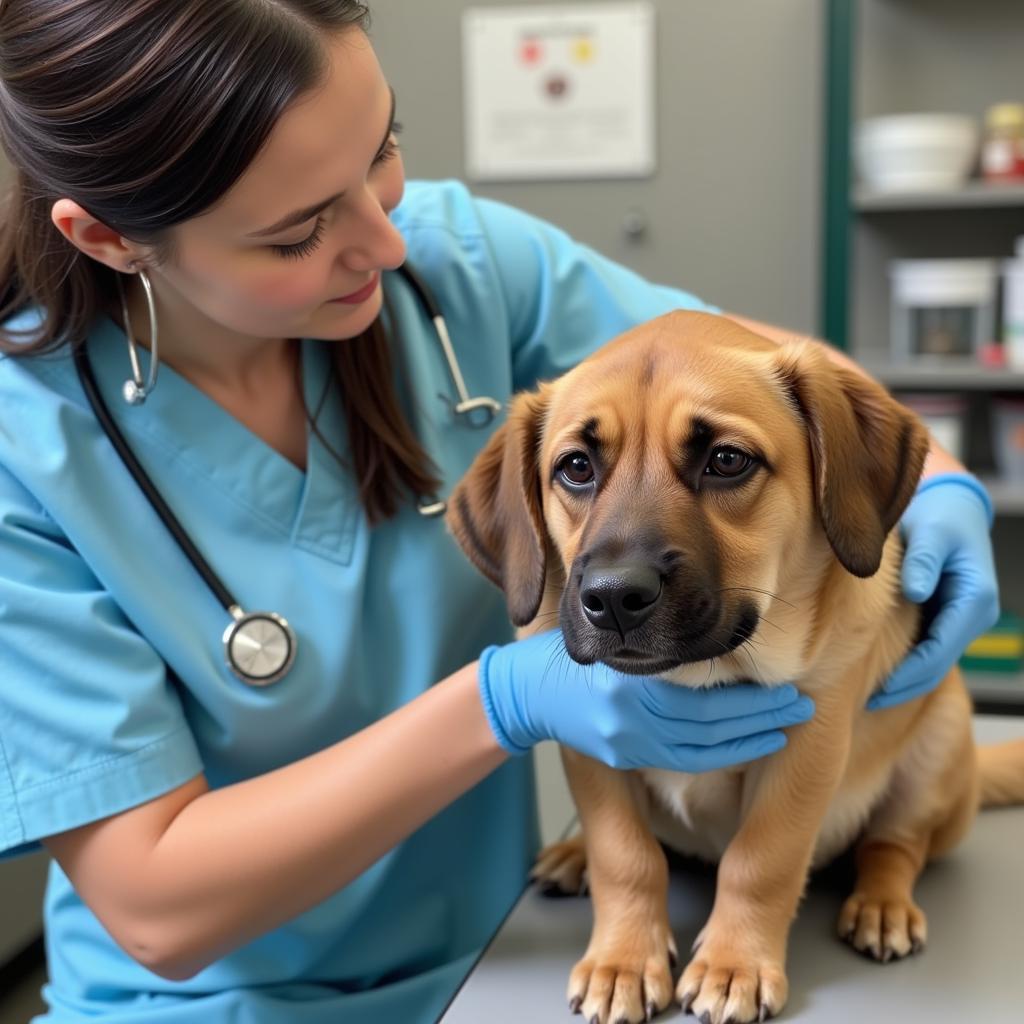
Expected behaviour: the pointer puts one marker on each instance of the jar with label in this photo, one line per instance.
(1002, 152)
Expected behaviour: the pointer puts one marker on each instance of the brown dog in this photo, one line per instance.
(697, 501)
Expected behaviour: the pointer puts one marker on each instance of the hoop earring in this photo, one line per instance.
(135, 390)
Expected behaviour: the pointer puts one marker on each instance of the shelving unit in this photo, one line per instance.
(923, 55)
(973, 195)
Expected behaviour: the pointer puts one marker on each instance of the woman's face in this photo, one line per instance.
(295, 248)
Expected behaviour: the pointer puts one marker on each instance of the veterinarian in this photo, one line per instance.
(269, 748)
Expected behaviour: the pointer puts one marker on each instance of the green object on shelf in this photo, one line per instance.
(1001, 649)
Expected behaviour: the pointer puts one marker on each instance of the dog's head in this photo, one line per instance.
(681, 478)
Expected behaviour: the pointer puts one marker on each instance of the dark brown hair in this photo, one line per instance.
(146, 114)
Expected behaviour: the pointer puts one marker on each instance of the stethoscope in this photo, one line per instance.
(259, 647)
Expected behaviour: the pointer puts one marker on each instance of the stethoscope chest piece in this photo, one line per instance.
(259, 647)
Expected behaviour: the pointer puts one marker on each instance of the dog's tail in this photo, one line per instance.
(1002, 773)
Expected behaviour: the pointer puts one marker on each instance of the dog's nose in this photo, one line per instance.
(619, 598)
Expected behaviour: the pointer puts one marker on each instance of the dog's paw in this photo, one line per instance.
(561, 868)
(886, 929)
(720, 986)
(625, 984)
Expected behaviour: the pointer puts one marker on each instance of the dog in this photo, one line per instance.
(702, 503)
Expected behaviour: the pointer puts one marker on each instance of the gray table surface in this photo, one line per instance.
(971, 971)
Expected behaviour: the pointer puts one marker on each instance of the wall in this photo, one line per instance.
(734, 205)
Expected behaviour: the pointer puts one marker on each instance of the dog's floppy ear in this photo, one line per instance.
(867, 452)
(496, 513)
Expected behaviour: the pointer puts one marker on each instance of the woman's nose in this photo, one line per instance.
(372, 241)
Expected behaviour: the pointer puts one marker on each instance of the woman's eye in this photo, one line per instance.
(306, 247)
(389, 152)
(576, 469)
(390, 149)
(729, 463)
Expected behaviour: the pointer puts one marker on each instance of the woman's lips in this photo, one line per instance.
(362, 295)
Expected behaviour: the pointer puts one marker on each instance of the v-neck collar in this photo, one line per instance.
(315, 509)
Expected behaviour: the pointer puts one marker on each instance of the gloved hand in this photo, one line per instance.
(532, 691)
(948, 554)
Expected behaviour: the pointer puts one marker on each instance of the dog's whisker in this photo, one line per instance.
(758, 590)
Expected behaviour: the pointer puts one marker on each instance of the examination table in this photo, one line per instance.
(972, 969)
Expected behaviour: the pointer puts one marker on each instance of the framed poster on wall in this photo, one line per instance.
(559, 91)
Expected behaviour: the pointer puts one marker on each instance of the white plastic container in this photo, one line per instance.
(1013, 308)
(916, 152)
(941, 309)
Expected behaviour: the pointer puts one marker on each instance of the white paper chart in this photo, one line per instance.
(559, 91)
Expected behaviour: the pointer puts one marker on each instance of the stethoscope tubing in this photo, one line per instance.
(246, 636)
(141, 477)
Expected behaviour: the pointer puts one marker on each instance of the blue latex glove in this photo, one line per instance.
(532, 691)
(948, 555)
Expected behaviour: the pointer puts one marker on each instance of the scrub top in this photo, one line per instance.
(113, 687)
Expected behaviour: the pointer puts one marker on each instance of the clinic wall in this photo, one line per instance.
(733, 208)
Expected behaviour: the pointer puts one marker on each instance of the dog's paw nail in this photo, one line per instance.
(595, 1019)
(687, 1001)
(705, 1017)
(762, 1013)
(916, 946)
(575, 1003)
(651, 1011)
(887, 955)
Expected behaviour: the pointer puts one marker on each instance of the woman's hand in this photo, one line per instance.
(532, 691)
(948, 555)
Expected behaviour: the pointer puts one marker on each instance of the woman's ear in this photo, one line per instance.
(94, 238)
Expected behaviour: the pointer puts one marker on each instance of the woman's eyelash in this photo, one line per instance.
(304, 248)
(309, 245)
(390, 147)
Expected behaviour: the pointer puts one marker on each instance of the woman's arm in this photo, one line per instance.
(938, 461)
(185, 878)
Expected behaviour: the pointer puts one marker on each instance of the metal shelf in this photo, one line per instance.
(954, 375)
(973, 195)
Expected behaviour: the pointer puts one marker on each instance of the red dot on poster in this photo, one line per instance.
(530, 51)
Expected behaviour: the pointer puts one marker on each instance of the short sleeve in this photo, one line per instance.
(564, 299)
(90, 725)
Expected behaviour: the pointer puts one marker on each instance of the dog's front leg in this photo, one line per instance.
(625, 974)
(737, 973)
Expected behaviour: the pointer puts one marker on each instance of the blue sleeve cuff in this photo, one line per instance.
(87, 794)
(972, 483)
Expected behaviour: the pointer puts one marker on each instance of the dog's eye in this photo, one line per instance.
(576, 469)
(729, 462)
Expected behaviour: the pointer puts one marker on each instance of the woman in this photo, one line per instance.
(338, 844)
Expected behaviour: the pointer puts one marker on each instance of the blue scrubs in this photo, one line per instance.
(113, 688)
